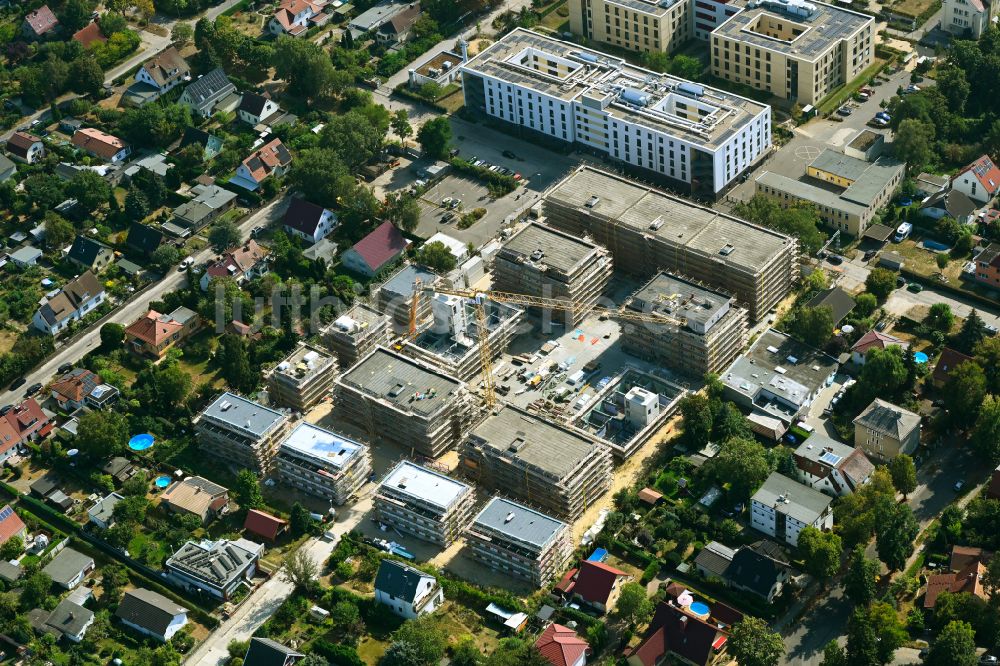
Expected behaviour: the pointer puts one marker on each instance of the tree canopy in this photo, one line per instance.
(800, 220)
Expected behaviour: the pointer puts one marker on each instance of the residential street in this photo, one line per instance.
(130, 311)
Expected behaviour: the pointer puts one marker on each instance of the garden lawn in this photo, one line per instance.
(924, 262)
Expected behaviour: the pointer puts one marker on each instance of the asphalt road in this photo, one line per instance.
(131, 310)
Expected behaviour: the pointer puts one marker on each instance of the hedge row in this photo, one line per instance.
(506, 184)
(479, 598)
(46, 513)
(342, 655)
(403, 90)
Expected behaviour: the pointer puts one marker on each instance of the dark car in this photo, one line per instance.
(900, 282)
(64, 368)
(869, 255)
(17, 383)
(509, 155)
(5, 409)
(834, 260)
(32, 390)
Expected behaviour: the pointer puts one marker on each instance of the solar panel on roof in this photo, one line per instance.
(6, 513)
(830, 458)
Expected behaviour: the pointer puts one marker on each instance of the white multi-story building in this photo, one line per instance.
(323, 463)
(968, 18)
(783, 507)
(424, 503)
(649, 25)
(696, 138)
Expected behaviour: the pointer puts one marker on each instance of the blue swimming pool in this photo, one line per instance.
(141, 442)
(162, 481)
(699, 608)
(920, 357)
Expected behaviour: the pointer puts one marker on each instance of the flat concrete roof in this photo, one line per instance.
(307, 360)
(519, 522)
(546, 446)
(426, 485)
(869, 181)
(598, 75)
(407, 384)
(327, 447)
(824, 27)
(559, 250)
(671, 218)
(401, 283)
(791, 498)
(358, 319)
(676, 297)
(244, 414)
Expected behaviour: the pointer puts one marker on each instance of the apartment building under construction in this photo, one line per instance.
(405, 402)
(541, 261)
(551, 466)
(424, 503)
(323, 463)
(519, 541)
(648, 231)
(241, 432)
(302, 379)
(354, 334)
(707, 333)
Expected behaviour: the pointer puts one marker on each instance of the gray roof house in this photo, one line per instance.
(209, 202)
(7, 168)
(783, 507)
(68, 568)
(26, 256)
(151, 613)
(407, 591)
(216, 568)
(884, 430)
(839, 301)
(210, 93)
(265, 652)
(102, 514)
(68, 619)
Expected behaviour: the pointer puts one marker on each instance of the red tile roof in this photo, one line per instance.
(20, 143)
(964, 556)
(41, 20)
(90, 34)
(153, 328)
(381, 246)
(560, 645)
(241, 259)
(27, 418)
(8, 436)
(596, 580)
(949, 359)
(264, 524)
(969, 579)
(650, 496)
(97, 142)
(985, 171)
(10, 524)
(269, 157)
(876, 340)
(76, 385)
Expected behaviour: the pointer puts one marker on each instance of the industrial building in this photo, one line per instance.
(354, 334)
(628, 409)
(793, 49)
(405, 402)
(515, 540)
(323, 463)
(302, 379)
(648, 230)
(710, 332)
(424, 503)
(451, 343)
(551, 466)
(241, 432)
(541, 261)
(695, 138)
(396, 293)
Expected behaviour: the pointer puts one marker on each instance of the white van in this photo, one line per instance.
(186, 263)
(576, 378)
(902, 232)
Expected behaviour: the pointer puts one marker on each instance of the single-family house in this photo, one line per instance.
(240, 264)
(264, 525)
(89, 35)
(946, 363)
(830, 466)
(761, 568)
(9, 439)
(782, 507)
(210, 93)
(25, 147)
(151, 613)
(375, 251)
(68, 568)
(884, 430)
(78, 297)
(265, 652)
(70, 391)
(968, 580)
(29, 421)
(561, 646)
(158, 75)
(210, 144)
(39, 23)
(68, 620)
(11, 525)
(980, 181)
(295, 17)
(951, 203)
(839, 301)
(119, 469)
(197, 496)
(398, 27)
(217, 568)
(595, 584)
(271, 159)
(255, 109)
(153, 334)
(101, 144)
(676, 633)
(408, 592)
(308, 221)
(143, 239)
(90, 254)
(874, 340)
(208, 204)
(102, 514)
(25, 256)
(7, 168)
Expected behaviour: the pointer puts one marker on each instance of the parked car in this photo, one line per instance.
(509, 155)
(17, 383)
(869, 255)
(188, 261)
(904, 201)
(5, 409)
(835, 260)
(914, 288)
(958, 486)
(883, 115)
(900, 282)
(845, 111)
(64, 368)
(32, 390)
(991, 330)
(447, 217)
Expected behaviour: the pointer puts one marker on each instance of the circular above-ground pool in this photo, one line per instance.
(162, 481)
(141, 442)
(920, 357)
(698, 608)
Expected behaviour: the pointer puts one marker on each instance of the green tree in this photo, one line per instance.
(834, 655)
(86, 76)
(323, 175)
(299, 521)
(686, 67)
(89, 189)
(401, 125)
(300, 570)
(169, 384)
(987, 355)
(744, 464)
(880, 283)
(136, 205)
(58, 231)
(883, 374)
(44, 191)
(131, 510)
(12, 548)
(972, 333)
(953, 84)
(113, 578)
(865, 304)
(306, 66)
(234, 360)
(800, 220)
(634, 607)
(889, 631)
(862, 643)
(859, 581)
(752, 643)
(697, 419)
(112, 336)
(182, 33)
(102, 435)
(940, 317)
(914, 143)
(356, 136)
(814, 325)
(954, 646)
(247, 490)
(965, 393)
(425, 639)
(223, 235)
(730, 423)
(895, 533)
(436, 256)
(164, 258)
(986, 432)
(402, 210)
(35, 590)
(516, 652)
(904, 474)
(435, 137)
(821, 552)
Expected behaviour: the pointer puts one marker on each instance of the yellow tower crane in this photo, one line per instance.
(486, 354)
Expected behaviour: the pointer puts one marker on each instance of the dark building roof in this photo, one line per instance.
(149, 610)
(303, 216)
(44, 486)
(835, 298)
(85, 250)
(144, 239)
(754, 571)
(68, 618)
(20, 142)
(595, 581)
(253, 103)
(953, 202)
(948, 361)
(265, 652)
(674, 631)
(209, 86)
(398, 580)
